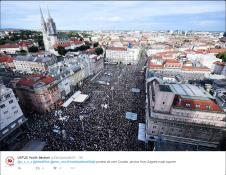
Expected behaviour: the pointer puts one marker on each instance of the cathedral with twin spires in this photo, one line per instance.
(50, 36)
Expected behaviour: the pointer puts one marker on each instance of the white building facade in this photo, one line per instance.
(123, 55)
(31, 64)
(11, 115)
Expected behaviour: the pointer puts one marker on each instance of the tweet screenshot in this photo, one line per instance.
(101, 163)
(112, 87)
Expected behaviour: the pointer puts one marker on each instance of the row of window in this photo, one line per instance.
(3, 105)
(7, 96)
(8, 111)
(197, 106)
(168, 124)
(172, 129)
(178, 135)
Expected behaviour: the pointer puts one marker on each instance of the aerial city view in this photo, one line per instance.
(113, 76)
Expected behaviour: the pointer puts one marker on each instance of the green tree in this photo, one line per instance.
(96, 44)
(88, 43)
(99, 51)
(33, 49)
(83, 47)
(222, 56)
(61, 50)
(22, 52)
(2, 41)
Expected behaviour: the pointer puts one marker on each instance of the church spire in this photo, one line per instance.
(42, 18)
(48, 13)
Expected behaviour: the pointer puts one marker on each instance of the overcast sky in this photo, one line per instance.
(116, 15)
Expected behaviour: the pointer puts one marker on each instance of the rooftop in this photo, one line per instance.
(35, 80)
(34, 58)
(117, 48)
(6, 59)
(198, 104)
(192, 68)
(9, 46)
(189, 91)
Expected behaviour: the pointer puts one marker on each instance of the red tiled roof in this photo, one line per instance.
(216, 50)
(75, 41)
(191, 68)
(157, 66)
(168, 61)
(62, 45)
(202, 105)
(9, 46)
(219, 63)
(35, 78)
(172, 62)
(157, 57)
(24, 43)
(6, 59)
(117, 48)
(200, 51)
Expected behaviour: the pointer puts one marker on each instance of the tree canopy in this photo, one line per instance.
(22, 52)
(222, 56)
(96, 44)
(33, 49)
(99, 51)
(21, 35)
(61, 50)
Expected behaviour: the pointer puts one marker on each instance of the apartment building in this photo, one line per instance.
(183, 113)
(37, 92)
(11, 116)
(122, 55)
(33, 64)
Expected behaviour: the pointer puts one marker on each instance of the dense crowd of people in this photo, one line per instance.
(98, 124)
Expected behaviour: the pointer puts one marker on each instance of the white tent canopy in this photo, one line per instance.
(80, 98)
(76, 97)
(141, 132)
(135, 90)
(131, 116)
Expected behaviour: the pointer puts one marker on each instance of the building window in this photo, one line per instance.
(2, 106)
(152, 131)
(5, 112)
(155, 121)
(188, 105)
(208, 107)
(161, 133)
(7, 96)
(197, 106)
(154, 126)
(15, 111)
(10, 101)
(162, 128)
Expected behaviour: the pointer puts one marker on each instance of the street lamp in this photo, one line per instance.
(112, 89)
(81, 119)
(108, 99)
